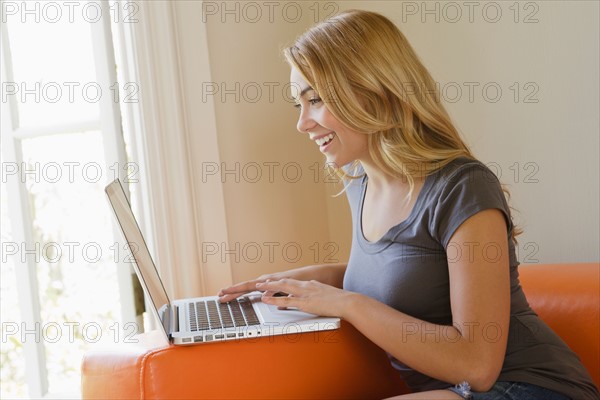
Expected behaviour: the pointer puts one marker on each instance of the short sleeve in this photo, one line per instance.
(467, 190)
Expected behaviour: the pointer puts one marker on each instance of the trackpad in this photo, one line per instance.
(271, 313)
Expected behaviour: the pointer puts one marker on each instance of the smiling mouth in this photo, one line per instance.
(325, 140)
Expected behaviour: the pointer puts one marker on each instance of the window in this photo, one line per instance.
(66, 282)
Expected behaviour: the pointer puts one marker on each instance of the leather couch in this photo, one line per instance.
(340, 364)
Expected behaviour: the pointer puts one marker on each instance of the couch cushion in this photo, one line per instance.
(567, 298)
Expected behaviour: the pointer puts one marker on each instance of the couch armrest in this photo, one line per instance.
(339, 364)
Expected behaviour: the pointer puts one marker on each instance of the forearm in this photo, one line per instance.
(330, 274)
(448, 353)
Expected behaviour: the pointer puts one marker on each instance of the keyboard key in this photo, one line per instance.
(236, 312)
(202, 316)
(192, 317)
(249, 313)
(225, 315)
(213, 316)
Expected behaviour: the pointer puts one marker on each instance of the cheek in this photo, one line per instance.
(328, 120)
(349, 137)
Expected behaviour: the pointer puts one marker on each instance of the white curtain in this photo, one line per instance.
(178, 213)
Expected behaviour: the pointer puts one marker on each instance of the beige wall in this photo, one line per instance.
(546, 150)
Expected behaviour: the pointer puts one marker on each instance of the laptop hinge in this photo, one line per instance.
(175, 319)
(165, 318)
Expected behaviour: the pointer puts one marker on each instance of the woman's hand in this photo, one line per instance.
(332, 274)
(235, 291)
(309, 296)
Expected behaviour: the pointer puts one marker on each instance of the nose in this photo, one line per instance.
(305, 121)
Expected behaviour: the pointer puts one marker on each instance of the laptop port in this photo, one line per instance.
(208, 338)
(230, 335)
(196, 339)
(241, 334)
(219, 336)
(186, 340)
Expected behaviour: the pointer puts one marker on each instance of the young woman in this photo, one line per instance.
(432, 276)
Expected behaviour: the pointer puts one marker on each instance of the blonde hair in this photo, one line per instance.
(373, 82)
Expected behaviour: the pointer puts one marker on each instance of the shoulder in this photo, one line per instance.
(465, 180)
(466, 171)
(461, 189)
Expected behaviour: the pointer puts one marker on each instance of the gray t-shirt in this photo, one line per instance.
(407, 269)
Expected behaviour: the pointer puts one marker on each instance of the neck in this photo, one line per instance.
(379, 180)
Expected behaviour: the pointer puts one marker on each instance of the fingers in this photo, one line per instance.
(283, 302)
(235, 291)
(290, 286)
(229, 297)
(243, 287)
(272, 289)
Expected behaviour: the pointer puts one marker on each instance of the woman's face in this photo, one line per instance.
(340, 144)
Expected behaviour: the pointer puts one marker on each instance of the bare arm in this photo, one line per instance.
(329, 274)
(473, 349)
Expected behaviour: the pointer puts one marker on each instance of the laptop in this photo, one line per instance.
(205, 319)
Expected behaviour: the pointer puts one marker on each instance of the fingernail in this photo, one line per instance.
(259, 284)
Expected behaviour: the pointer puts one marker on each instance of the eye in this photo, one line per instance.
(297, 106)
(314, 101)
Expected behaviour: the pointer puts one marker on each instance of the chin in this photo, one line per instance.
(336, 162)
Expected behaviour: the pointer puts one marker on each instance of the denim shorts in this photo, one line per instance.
(509, 391)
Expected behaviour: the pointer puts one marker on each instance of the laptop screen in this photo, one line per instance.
(144, 266)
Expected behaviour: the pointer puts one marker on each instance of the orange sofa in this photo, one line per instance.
(340, 364)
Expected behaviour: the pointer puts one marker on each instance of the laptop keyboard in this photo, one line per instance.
(212, 314)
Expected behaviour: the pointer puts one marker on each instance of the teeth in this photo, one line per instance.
(325, 139)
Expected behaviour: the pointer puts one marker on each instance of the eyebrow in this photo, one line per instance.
(306, 89)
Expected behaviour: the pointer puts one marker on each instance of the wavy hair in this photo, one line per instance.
(372, 81)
